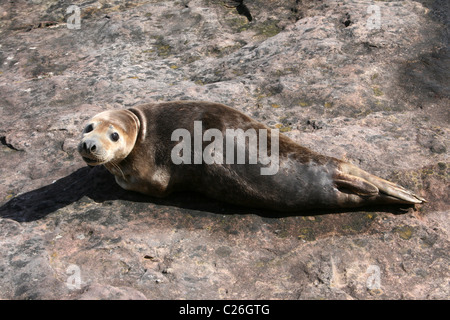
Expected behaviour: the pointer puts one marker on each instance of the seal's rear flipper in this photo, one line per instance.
(356, 185)
(373, 188)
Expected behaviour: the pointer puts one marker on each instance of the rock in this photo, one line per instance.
(101, 292)
(328, 74)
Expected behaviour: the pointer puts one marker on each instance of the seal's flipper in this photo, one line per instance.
(359, 186)
(364, 184)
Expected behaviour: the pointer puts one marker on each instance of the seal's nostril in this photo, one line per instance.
(89, 146)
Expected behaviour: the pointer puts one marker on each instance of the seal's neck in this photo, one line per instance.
(140, 123)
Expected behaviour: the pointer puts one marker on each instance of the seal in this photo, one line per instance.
(143, 149)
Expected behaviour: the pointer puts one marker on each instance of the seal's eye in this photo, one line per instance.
(114, 136)
(88, 128)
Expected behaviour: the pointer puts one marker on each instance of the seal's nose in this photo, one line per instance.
(89, 146)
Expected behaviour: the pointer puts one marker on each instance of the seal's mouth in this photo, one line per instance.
(92, 157)
(88, 160)
(92, 162)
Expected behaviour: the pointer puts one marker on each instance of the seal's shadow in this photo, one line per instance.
(99, 185)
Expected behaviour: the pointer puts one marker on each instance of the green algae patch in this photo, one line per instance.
(404, 232)
(306, 234)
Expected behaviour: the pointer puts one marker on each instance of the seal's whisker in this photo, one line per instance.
(115, 165)
(100, 156)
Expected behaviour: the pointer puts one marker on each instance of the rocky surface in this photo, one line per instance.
(314, 69)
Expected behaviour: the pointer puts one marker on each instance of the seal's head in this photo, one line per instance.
(109, 137)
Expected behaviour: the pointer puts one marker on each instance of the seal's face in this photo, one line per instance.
(108, 137)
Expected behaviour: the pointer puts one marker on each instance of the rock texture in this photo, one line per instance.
(314, 69)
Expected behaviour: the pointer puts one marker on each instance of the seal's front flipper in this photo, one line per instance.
(371, 188)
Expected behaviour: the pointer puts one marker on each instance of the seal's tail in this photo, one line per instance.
(361, 186)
